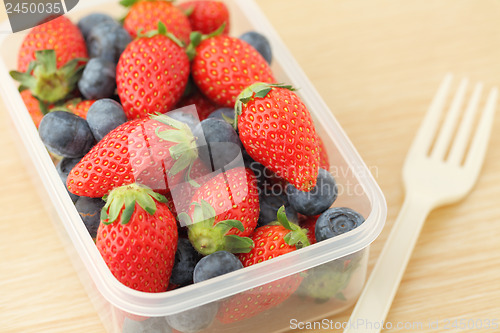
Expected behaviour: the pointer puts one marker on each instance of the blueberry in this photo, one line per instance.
(270, 203)
(66, 134)
(107, 40)
(216, 264)
(194, 320)
(336, 221)
(90, 21)
(260, 43)
(224, 145)
(186, 259)
(63, 169)
(227, 112)
(104, 116)
(319, 199)
(98, 79)
(90, 212)
(150, 325)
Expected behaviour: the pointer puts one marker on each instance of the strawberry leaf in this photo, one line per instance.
(162, 28)
(128, 211)
(104, 215)
(158, 197)
(238, 244)
(128, 3)
(182, 163)
(233, 224)
(198, 215)
(184, 219)
(283, 220)
(297, 236)
(115, 207)
(207, 209)
(146, 202)
(188, 11)
(196, 38)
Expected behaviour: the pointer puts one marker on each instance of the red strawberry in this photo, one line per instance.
(34, 107)
(274, 240)
(225, 210)
(204, 106)
(59, 34)
(182, 193)
(152, 74)
(152, 152)
(270, 242)
(137, 238)
(206, 16)
(79, 107)
(145, 15)
(223, 66)
(277, 131)
(309, 223)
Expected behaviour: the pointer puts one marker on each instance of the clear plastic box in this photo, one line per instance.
(335, 269)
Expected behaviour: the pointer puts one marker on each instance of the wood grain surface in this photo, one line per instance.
(377, 65)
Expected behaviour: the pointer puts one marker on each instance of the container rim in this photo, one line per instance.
(175, 301)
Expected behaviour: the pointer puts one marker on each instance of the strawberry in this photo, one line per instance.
(270, 242)
(79, 107)
(223, 66)
(225, 210)
(277, 131)
(204, 106)
(45, 80)
(309, 223)
(151, 151)
(182, 193)
(59, 34)
(145, 14)
(34, 106)
(137, 238)
(206, 16)
(152, 74)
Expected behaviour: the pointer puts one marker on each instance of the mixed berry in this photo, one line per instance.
(175, 194)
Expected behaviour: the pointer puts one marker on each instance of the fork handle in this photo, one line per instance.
(375, 300)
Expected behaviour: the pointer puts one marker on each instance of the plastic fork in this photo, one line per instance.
(441, 168)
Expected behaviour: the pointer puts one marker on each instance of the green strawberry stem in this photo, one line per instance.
(162, 30)
(123, 199)
(189, 11)
(297, 236)
(196, 38)
(256, 90)
(208, 238)
(185, 152)
(130, 3)
(45, 81)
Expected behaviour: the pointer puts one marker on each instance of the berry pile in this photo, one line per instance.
(171, 194)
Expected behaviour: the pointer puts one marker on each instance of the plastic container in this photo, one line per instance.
(334, 269)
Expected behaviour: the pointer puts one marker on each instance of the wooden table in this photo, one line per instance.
(377, 64)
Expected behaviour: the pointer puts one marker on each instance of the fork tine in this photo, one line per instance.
(460, 143)
(429, 125)
(446, 132)
(479, 143)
